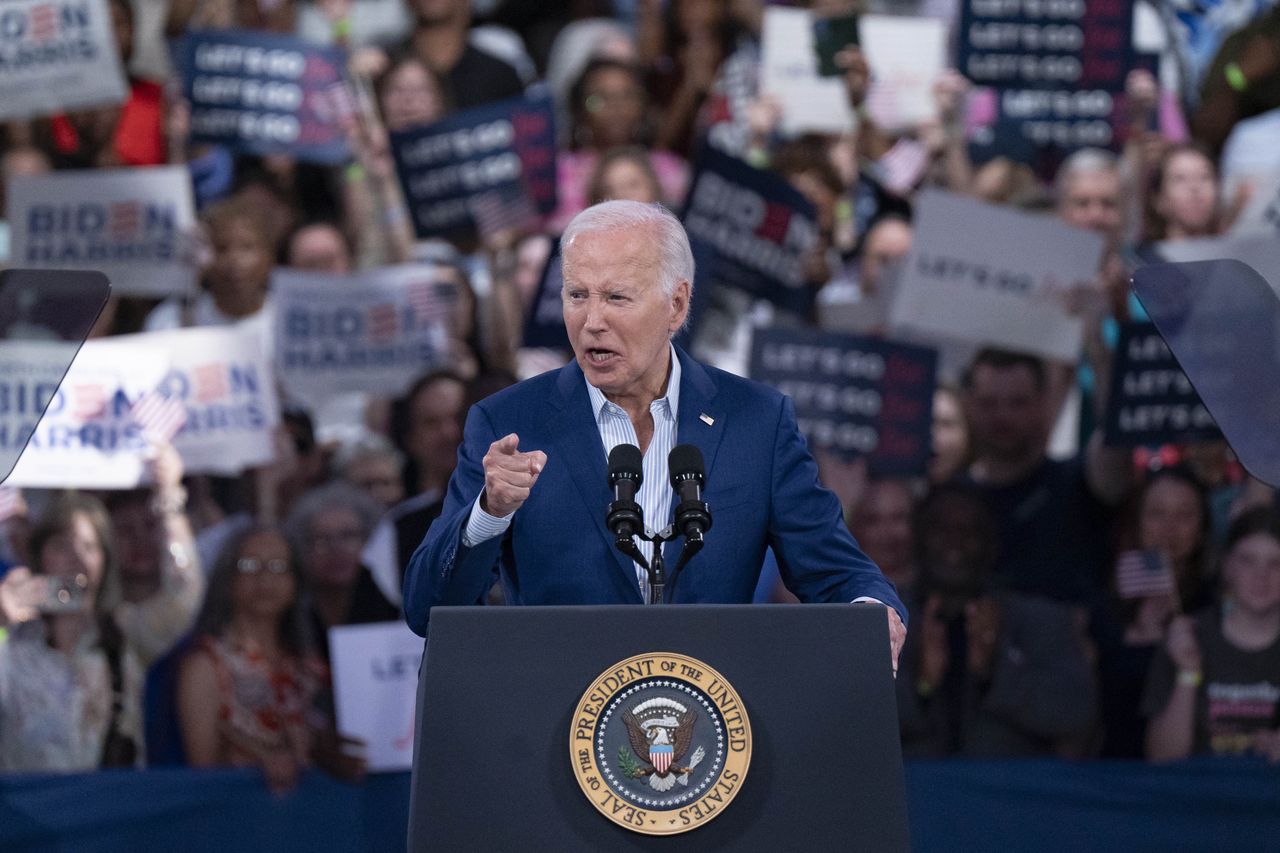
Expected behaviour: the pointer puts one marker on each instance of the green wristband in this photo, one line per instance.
(1235, 77)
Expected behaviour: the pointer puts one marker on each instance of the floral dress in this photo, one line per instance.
(265, 707)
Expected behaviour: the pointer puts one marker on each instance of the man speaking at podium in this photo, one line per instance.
(529, 496)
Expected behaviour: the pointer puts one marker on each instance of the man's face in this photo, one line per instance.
(618, 319)
(1006, 411)
(1092, 200)
(435, 428)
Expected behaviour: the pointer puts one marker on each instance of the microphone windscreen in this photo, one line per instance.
(685, 459)
(626, 460)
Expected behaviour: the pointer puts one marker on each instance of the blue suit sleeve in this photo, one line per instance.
(817, 556)
(442, 570)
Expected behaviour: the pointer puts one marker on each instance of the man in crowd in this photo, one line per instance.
(537, 514)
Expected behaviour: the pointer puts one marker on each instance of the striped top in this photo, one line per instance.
(655, 497)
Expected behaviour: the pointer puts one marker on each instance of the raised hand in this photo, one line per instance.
(509, 475)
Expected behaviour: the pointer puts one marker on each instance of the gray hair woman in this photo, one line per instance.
(327, 529)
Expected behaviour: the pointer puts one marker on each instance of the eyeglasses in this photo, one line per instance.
(253, 566)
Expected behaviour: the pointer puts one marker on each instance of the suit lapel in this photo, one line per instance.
(577, 438)
(697, 407)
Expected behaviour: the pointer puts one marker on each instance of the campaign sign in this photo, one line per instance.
(266, 94)
(88, 437)
(854, 396)
(992, 276)
(1055, 66)
(760, 227)
(1152, 401)
(450, 170)
(57, 55)
(223, 376)
(373, 332)
(134, 225)
(375, 686)
(91, 436)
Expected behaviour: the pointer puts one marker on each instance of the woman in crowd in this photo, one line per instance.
(624, 173)
(328, 529)
(250, 691)
(237, 280)
(70, 677)
(608, 108)
(1182, 200)
(1215, 685)
(1170, 518)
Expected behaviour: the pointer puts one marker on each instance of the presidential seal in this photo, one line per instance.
(660, 743)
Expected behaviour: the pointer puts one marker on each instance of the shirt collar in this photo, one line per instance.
(668, 404)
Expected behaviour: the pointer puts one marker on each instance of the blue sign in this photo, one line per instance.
(1055, 67)
(854, 396)
(1152, 402)
(266, 94)
(759, 227)
(481, 168)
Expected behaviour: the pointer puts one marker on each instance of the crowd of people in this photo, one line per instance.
(185, 621)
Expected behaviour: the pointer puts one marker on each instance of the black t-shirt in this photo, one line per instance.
(1240, 693)
(476, 79)
(1053, 532)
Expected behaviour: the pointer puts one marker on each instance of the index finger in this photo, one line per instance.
(507, 445)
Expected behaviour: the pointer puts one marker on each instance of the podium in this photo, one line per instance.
(521, 742)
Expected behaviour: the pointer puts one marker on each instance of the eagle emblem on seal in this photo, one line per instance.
(661, 732)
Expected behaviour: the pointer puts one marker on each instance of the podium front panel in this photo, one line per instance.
(499, 688)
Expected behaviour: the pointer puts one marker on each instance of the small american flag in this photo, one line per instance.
(904, 165)
(159, 415)
(501, 208)
(1144, 574)
(10, 502)
(427, 303)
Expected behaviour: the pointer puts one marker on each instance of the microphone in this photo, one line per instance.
(688, 474)
(625, 518)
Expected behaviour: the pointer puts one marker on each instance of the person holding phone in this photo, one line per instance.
(75, 644)
(70, 679)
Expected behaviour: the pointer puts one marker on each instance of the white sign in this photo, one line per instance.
(89, 437)
(1262, 213)
(374, 332)
(1259, 250)
(223, 375)
(993, 276)
(134, 225)
(789, 72)
(57, 55)
(375, 687)
(906, 56)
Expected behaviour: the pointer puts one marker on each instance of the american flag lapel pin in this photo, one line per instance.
(707, 419)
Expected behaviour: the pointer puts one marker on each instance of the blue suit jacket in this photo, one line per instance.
(762, 489)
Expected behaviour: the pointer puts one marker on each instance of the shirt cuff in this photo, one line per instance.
(863, 598)
(481, 526)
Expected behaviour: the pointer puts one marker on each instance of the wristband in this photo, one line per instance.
(342, 28)
(354, 173)
(4, 635)
(1235, 77)
(923, 688)
(1189, 678)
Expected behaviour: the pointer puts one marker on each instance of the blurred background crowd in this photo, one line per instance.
(1068, 598)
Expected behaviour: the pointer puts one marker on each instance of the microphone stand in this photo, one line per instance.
(657, 567)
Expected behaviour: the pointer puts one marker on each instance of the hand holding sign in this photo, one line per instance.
(509, 475)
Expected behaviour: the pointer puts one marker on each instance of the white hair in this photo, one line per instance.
(1084, 162)
(675, 257)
